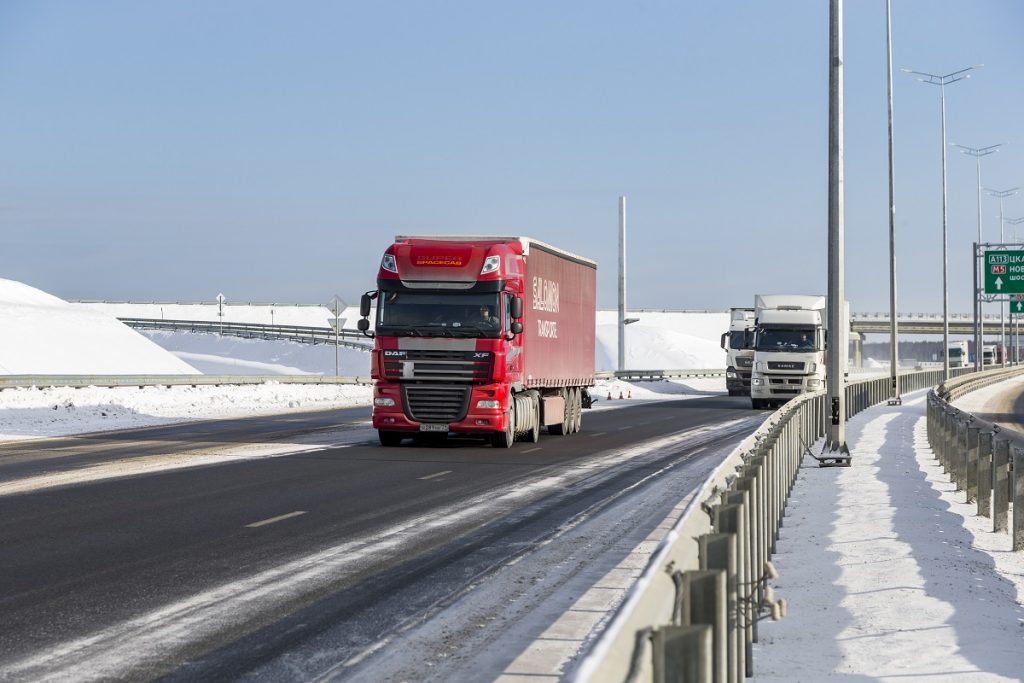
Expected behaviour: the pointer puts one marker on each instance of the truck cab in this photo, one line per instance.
(789, 348)
(738, 343)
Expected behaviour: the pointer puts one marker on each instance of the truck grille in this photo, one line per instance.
(785, 380)
(785, 365)
(744, 362)
(438, 364)
(435, 402)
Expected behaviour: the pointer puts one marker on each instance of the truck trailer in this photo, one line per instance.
(790, 340)
(738, 343)
(480, 336)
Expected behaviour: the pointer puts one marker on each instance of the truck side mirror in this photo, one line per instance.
(364, 305)
(724, 335)
(363, 325)
(517, 309)
(516, 327)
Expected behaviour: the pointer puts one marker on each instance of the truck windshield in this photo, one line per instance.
(439, 314)
(741, 339)
(773, 339)
(954, 352)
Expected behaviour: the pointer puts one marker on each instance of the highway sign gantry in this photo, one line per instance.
(1004, 272)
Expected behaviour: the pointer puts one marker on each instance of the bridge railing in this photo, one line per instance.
(353, 339)
(984, 462)
(692, 615)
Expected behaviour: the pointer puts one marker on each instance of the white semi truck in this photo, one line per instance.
(958, 356)
(738, 343)
(790, 342)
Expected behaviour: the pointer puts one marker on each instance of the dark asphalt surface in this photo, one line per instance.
(80, 558)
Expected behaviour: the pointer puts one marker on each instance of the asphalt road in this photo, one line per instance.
(287, 567)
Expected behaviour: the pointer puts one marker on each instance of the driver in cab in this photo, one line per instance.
(486, 319)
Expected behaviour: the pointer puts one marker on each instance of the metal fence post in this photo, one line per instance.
(682, 654)
(1018, 499)
(960, 456)
(1000, 483)
(972, 464)
(985, 474)
(705, 593)
(732, 517)
(718, 551)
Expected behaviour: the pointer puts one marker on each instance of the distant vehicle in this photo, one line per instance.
(958, 356)
(993, 354)
(738, 343)
(486, 336)
(789, 347)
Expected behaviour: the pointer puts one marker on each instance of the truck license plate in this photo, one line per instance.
(425, 427)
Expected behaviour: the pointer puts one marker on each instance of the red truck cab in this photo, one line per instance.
(476, 335)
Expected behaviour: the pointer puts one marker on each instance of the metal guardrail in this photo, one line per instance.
(353, 339)
(985, 462)
(78, 381)
(647, 375)
(693, 613)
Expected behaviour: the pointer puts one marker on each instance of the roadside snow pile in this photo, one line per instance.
(58, 411)
(44, 335)
(663, 340)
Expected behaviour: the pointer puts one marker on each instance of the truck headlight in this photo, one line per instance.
(491, 264)
(730, 373)
(813, 383)
(756, 381)
(488, 403)
(384, 402)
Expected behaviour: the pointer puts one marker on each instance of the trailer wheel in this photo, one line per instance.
(389, 439)
(506, 438)
(577, 406)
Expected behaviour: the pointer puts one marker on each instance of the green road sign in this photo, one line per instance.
(1004, 272)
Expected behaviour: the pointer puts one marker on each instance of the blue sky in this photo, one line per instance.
(270, 150)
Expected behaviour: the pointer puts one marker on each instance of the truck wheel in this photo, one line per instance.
(506, 438)
(577, 405)
(389, 439)
(533, 435)
(756, 403)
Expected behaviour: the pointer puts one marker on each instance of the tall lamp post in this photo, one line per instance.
(1001, 195)
(1015, 319)
(894, 355)
(622, 283)
(979, 324)
(942, 82)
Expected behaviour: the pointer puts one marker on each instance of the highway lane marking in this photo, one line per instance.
(275, 519)
(531, 450)
(598, 433)
(434, 476)
(626, 427)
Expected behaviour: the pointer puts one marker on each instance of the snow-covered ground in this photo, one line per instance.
(889, 576)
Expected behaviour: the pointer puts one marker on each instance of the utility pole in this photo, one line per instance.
(979, 324)
(894, 354)
(942, 82)
(1001, 195)
(835, 449)
(622, 283)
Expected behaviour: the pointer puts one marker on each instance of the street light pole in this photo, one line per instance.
(979, 324)
(942, 82)
(1015, 318)
(1001, 195)
(835, 448)
(622, 283)
(894, 381)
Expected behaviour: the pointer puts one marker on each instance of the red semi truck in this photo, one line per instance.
(486, 336)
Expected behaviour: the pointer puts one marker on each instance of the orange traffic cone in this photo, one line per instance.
(630, 394)
(620, 395)
(609, 395)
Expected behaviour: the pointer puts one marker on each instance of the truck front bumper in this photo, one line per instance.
(485, 412)
(783, 387)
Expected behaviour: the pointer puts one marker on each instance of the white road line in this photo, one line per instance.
(435, 476)
(531, 450)
(275, 519)
(626, 427)
(598, 433)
